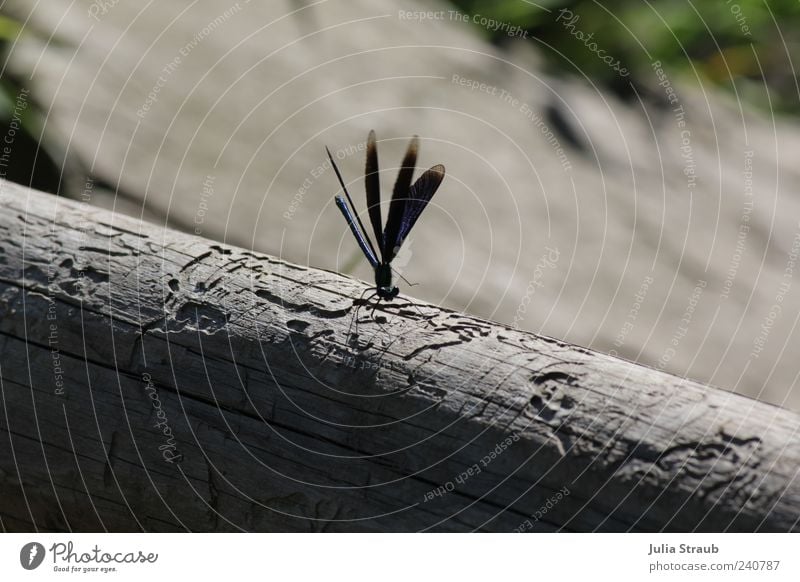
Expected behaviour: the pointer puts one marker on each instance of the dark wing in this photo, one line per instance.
(372, 185)
(418, 197)
(399, 199)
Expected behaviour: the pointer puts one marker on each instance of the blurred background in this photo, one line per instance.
(620, 175)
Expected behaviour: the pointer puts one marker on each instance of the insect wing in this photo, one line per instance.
(372, 185)
(399, 199)
(418, 197)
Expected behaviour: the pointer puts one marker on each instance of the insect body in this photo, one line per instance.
(408, 202)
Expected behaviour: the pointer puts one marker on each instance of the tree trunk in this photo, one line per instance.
(157, 381)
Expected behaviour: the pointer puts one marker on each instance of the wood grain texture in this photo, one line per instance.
(235, 139)
(157, 381)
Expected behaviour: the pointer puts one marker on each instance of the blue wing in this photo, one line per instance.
(418, 197)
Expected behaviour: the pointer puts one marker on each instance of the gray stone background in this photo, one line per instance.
(667, 237)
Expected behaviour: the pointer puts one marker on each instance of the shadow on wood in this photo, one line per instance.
(157, 381)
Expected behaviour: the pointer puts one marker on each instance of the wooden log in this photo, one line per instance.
(157, 381)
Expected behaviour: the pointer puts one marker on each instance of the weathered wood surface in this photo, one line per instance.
(206, 387)
(251, 105)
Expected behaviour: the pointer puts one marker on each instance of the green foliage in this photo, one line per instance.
(9, 28)
(746, 46)
(26, 161)
(9, 90)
